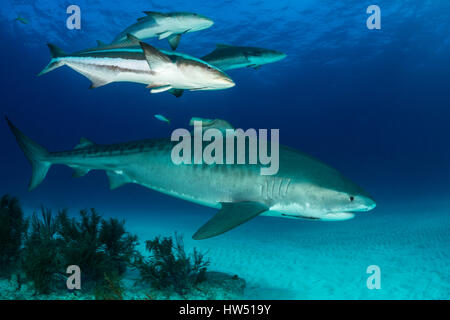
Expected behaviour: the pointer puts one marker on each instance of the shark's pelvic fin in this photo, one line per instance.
(229, 216)
(35, 153)
(174, 41)
(80, 172)
(96, 81)
(177, 92)
(117, 179)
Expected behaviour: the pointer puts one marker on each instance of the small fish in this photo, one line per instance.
(162, 118)
(170, 26)
(21, 19)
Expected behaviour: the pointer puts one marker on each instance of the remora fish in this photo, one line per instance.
(135, 61)
(22, 19)
(162, 118)
(165, 25)
(303, 187)
(227, 57)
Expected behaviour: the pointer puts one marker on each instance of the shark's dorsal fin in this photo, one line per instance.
(212, 123)
(101, 43)
(84, 143)
(130, 41)
(117, 179)
(154, 57)
(222, 45)
(155, 14)
(231, 215)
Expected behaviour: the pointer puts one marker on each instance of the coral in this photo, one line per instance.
(13, 227)
(169, 267)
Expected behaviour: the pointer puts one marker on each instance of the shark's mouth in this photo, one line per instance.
(337, 216)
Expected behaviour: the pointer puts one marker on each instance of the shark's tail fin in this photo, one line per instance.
(55, 53)
(35, 153)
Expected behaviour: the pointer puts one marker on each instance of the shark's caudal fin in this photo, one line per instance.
(35, 153)
(54, 63)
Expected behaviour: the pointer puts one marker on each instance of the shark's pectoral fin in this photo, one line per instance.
(164, 35)
(117, 179)
(229, 216)
(174, 40)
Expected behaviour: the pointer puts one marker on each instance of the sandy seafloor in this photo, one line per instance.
(299, 259)
(296, 259)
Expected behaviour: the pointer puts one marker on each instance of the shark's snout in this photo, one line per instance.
(365, 203)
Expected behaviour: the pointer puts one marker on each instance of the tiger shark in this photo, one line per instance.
(165, 25)
(136, 61)
(303, 187)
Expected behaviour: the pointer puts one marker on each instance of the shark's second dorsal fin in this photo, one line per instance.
(84, 143)
(212, 123)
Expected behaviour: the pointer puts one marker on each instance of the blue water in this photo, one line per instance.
(374, 104)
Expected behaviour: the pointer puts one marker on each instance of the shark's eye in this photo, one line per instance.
(352, 198)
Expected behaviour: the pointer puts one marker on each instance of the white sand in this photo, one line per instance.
(296, 259)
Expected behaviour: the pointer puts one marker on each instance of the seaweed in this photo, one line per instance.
(13, 227)
(41, 260)
(101, 248)
(110, 288)
(169, 267)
